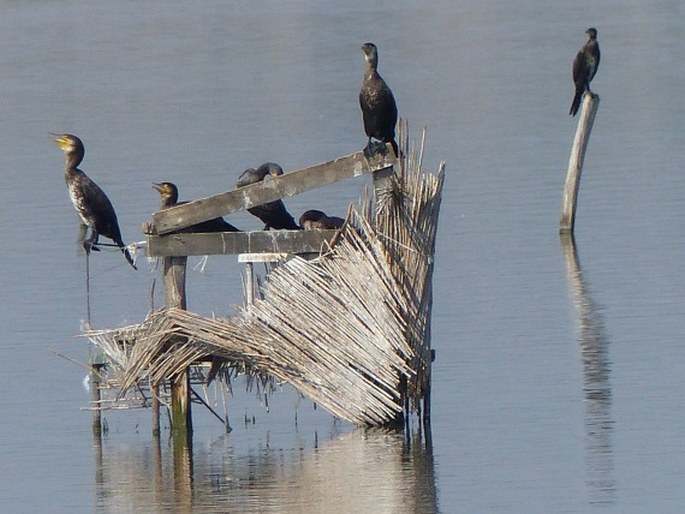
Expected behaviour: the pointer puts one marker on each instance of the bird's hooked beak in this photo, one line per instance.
(59, 139)
(157, 187)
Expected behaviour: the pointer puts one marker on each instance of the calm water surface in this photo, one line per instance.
(559, 378)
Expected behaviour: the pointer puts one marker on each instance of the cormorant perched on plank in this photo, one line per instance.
(169, 193)
(91, 202)
(379, 110)
(584, 68)
(273, 214)
(317, 220)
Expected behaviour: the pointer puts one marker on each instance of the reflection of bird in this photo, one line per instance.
(584, 68)
(379, 110)
(317, 220)
(273, 214)
(169, 194)
(90, 201)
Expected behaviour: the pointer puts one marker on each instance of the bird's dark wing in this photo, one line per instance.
(275, 215)
(579, 69)
(96, 207)
(213, 225)
(379, 110)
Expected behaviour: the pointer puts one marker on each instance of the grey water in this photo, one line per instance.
(558, 384)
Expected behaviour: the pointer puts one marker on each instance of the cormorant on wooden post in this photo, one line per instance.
(169, 193)
(584, 68)
(91, 202)
(379, 110)
(317, 220)
(273, 214)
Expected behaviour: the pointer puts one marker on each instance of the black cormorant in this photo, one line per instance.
(379, 110)
(273, 214)
(90, 201)
(584, 68)
(169, 193)
(317, 220)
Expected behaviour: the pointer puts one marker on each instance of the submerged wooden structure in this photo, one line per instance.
(348, 328)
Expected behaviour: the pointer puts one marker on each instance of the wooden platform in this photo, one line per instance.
(349, 329)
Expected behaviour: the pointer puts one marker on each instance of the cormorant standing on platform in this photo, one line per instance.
(317, 220)
(584, 68)
(91, 202)
(379, 110)
(169, 193)
(273, 214)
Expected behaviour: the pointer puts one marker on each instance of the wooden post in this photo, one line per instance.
(175, 296)
(95, 368)
(249, 283)
(181, 419)
(154, 389)
(575, 165)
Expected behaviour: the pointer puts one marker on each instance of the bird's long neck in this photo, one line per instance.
(72, 160)
(371, 67)
(169, 201)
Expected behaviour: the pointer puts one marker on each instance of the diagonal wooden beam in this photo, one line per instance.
(289, 184)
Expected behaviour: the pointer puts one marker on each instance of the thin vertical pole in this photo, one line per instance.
(575, 165)
(88, 290)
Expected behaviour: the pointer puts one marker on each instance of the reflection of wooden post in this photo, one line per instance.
(158, 481)
(183, 475)
(594, 347)
(575, 165)
(175, 296)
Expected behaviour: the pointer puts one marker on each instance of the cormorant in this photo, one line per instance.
(273, 214)
(169, 193)
(317, 220)
(379, 110)
(584, 68)
(91, 202)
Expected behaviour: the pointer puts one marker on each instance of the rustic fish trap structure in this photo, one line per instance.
(348, 327)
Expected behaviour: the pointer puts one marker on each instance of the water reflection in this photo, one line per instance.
(594, 348)
(366, 470)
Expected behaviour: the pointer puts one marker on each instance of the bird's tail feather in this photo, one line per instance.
(126, 253)
(395, 148)
(576, 102)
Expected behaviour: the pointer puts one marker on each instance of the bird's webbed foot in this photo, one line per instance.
(90, 243)
(373, 148)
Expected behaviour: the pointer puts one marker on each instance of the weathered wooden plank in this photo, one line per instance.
(575, 165)
(273, 241)
(289, 184)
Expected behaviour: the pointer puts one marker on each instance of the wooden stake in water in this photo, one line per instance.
(575, 165)
(175, 296)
